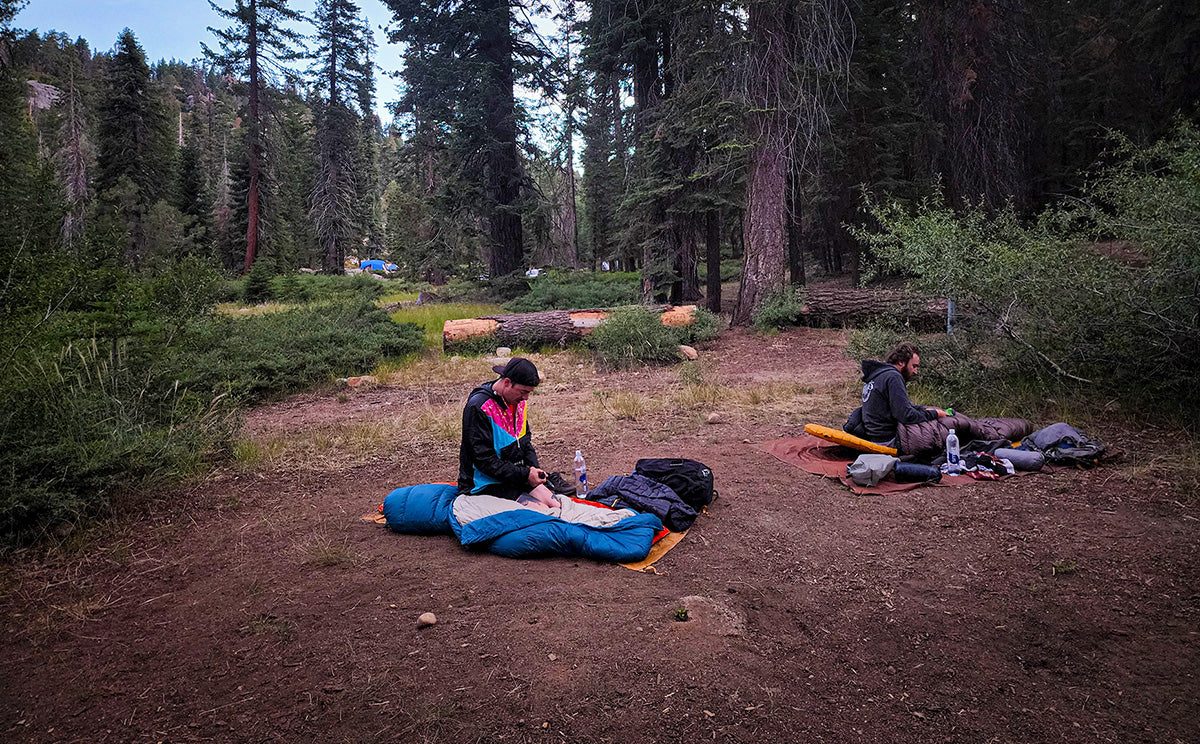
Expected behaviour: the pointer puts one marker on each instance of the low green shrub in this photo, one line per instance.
(631, 336)
(574, 290)
(305, 288)
(778, 310)
(266, 355)
(705, 327)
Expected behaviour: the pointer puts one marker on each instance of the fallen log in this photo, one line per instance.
(848, 306)
(557, 327)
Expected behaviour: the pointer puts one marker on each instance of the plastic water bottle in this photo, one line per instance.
(952, 448)
(580, 474)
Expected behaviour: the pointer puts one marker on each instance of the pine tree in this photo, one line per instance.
(134, 144)
(463, 62)
(342, 71)
(256, 44)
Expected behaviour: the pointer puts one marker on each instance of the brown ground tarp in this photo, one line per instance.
(819, 457)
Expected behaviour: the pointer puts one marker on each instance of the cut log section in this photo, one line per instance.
(848, 306)
(558, 327)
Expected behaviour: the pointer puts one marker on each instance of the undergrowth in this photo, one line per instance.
(575, 290)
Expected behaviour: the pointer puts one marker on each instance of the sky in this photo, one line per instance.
(173, 29)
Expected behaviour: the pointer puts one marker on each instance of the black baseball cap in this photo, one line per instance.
(520, 370)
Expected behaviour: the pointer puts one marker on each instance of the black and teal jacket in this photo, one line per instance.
(497, 448)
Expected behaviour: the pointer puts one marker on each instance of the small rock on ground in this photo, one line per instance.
(426, 619)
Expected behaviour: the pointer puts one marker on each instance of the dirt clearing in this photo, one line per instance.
(258, 608)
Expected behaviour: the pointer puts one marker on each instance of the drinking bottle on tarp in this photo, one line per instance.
(952, 448)
(580, 474)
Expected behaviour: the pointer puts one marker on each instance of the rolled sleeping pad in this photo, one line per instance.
(914, 472)
(1022, 459)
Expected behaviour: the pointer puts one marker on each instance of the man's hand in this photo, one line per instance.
(941, 413)
(537, 477)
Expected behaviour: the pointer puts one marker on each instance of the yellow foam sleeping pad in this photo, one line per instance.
(837, 436)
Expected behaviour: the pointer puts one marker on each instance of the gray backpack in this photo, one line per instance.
(1063, 444)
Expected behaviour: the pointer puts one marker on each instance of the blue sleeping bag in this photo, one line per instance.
(520, 533)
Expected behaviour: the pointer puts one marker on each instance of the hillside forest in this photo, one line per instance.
(1034, 162)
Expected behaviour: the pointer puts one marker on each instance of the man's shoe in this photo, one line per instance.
(558, 484)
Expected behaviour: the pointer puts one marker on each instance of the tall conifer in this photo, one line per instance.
(257, 44)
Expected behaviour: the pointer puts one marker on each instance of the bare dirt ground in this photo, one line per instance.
(257, 607)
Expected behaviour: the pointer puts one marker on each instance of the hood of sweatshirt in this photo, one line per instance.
(872, 369)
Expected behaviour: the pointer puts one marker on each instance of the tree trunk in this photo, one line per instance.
(795, 234)
(502, 177)
(840, 306)
(689, 260)
(765, 264)
(558, 327)
(712, 253)
(255, 145)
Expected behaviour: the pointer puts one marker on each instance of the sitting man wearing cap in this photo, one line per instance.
(497, 455)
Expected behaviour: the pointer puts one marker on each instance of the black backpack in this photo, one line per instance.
(691, 480)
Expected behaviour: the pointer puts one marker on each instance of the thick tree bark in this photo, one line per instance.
(839, 306)
(559, 327)
(795, 236)
(765, 264)
(502, 177)
(646, 96)
(689, 260)
(712, 253)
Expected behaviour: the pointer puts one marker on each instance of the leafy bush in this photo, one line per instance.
(303, 288)
(265, 355)
(1102, 289)
(778, 309)
(634, 335)
(574, 290)
(138, 389)
(705, 327)
(872, 341)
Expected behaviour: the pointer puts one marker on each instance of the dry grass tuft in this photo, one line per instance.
(238, 310)
(433, 368)
(325, 551)
(341, 445)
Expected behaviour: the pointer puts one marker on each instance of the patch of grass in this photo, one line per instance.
(1063, 568)
(326, 552)
(345, 444)
(432, 317)
(439, 424)
(432, 368)
(251, 455)
(238, 310)
(681, 615)
(625, 404)
(267, 624)
(702, 394)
